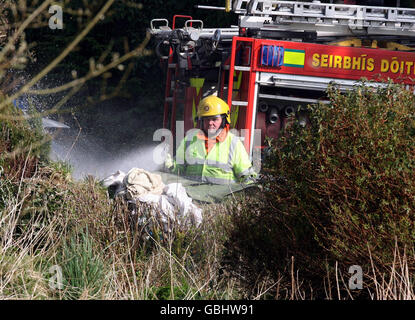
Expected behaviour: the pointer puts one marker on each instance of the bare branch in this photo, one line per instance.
(140, 51)
(59, 58)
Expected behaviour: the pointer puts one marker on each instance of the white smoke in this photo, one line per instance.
(88, 156)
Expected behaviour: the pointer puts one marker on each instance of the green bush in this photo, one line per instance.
(339, 190)
(23, 143)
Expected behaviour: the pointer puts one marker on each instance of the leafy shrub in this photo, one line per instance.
(340, 190)
(22, 142)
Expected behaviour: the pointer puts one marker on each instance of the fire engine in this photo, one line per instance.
(282, 55)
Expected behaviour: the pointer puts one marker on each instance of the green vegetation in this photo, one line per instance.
(83, 268)
(19, 138)
(336, 194)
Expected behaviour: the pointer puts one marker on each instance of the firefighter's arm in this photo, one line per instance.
(242, 166)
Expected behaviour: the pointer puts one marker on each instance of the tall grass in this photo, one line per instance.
(48, 220)
(103, 255)
(22, 261)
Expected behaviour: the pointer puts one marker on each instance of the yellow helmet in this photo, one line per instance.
(213, 106)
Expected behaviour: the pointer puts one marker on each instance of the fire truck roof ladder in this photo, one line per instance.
(172, 84)
(327, 19)
(199, 32)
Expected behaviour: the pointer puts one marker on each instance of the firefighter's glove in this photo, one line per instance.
(168, 162)
(250, 177)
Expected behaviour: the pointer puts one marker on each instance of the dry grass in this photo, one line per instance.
(395, 284)
(105, 255)
(135, 264)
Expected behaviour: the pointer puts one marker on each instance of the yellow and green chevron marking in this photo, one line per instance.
(294, 58)
(198, 84)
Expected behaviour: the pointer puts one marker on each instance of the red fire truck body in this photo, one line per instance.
(307, 66)
(271, 78)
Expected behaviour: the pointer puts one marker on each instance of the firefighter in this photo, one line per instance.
(212, 153)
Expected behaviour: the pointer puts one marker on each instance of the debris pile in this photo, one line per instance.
(170, 203)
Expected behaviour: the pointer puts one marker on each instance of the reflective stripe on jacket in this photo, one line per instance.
(227, 162)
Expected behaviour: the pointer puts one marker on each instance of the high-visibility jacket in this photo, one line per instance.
(227, 161)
